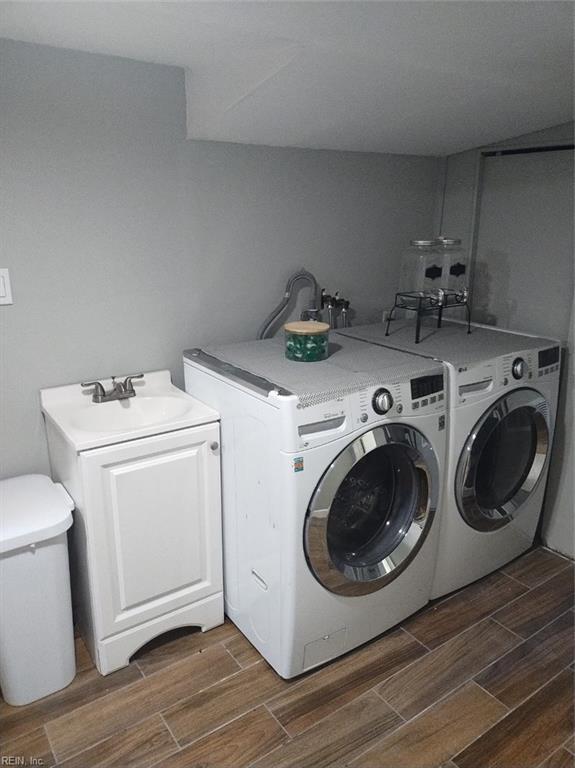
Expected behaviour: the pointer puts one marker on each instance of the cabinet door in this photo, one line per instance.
(154, 525)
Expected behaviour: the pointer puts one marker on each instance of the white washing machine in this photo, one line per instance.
(331, 484)
(503, 390)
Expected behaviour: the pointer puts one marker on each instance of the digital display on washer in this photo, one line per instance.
(426, 385)
(548, 357)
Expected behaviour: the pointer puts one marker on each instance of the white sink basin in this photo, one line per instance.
(157, 407)
(121, 415)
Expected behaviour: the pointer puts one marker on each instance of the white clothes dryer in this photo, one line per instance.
(503, 393)
(331, 485)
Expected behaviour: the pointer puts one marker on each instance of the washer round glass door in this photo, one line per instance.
(503, 459)
(371, 510)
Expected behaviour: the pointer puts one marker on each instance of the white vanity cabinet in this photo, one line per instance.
(156, 533)
(146, 543)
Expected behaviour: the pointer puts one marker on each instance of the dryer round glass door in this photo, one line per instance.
(371, 510)
(503, 459)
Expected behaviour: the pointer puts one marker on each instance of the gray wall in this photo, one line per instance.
(540, 267)
(127, 243)
(524, 260)
(461, 177)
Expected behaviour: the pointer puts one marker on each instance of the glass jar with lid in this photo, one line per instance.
(306, 341)
(421, 266)
(453, 263)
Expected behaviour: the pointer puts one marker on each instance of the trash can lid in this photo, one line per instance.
(32, 509)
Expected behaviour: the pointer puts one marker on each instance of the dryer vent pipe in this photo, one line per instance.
(303, 275)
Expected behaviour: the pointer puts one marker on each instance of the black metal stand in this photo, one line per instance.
(428, 304)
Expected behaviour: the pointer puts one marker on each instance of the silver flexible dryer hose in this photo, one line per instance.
(303, 274)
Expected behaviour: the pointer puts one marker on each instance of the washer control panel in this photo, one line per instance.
(421, 395)
(427, 391)
(371, 403)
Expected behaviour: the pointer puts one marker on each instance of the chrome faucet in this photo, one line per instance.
(120, 390)
(335, 304)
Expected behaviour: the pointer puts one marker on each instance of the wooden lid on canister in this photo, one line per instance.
(306, 327)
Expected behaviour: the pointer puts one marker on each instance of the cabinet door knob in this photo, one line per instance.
(215, 445)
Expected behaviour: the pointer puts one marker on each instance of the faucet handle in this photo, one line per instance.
(99, 390)
(128, 386)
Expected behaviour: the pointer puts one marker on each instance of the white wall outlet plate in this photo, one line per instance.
(5, 287)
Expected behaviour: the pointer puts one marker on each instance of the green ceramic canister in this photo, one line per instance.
(306, 341)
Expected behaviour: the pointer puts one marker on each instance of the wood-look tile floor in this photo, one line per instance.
(480, 679)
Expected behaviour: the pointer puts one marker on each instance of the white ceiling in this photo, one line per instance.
(402, 77)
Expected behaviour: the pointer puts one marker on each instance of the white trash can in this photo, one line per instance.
(36, 629)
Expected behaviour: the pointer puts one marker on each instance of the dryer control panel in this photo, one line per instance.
(530, 364)
(548, 361)
(517, 367)
(521, 368)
